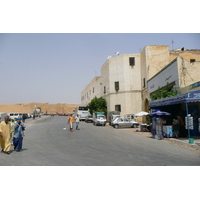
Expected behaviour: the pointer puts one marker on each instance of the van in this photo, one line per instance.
(14, 115)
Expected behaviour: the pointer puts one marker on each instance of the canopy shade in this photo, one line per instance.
(142, 113)
(181, 98)
(159, 113)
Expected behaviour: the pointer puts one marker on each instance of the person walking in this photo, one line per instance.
(12, 127)
(5, 134)
(70, 122)
(23, 118)
(77, 118)
(18, 135)
(175, 127)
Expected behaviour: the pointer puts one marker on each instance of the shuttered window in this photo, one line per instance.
(131, 61)
(117, 85)
(118, 108)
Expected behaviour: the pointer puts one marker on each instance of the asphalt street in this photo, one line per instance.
(47, 144)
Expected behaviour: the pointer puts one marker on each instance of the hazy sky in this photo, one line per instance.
(56, 67)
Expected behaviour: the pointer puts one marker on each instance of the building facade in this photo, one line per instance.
(153, 59)
(91, 90)
(184, 76)
(121, 83)
(123, 80)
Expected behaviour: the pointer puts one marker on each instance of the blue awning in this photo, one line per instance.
(181, 98)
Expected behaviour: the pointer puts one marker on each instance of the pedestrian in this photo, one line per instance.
(5, 134)
(175, 127)
(70, 122)
(77, 118)
(12, 127)
(23, 118)
(18, 135)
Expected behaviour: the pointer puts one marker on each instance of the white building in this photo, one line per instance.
(119, 84)
(91, 90)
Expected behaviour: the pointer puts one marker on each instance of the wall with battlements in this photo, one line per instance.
(45, 108)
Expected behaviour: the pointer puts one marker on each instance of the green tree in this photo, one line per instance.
(164, 93)
(97, 104)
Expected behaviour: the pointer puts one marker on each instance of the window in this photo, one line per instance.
(144, 82)
(117, 85)
(93, 89)
(118, 108)
(192, 60)
(104, 90)
(82, 108)
(131, 61)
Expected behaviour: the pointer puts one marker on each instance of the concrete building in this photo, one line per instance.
(184, 76)
(91, 90)
(179, 73)
(119, 84)
(123, 80)
(155, 58)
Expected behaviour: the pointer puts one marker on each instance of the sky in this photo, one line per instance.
(50, 50)
(56, 67)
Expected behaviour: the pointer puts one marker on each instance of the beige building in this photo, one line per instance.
(123, 80)
(155, 58)
(179, 73)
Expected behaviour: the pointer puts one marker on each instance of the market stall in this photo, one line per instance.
(159, 125)
(143, 126)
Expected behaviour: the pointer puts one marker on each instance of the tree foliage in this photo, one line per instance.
(97, 104)
(164, 93)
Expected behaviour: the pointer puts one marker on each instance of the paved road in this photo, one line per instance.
(47, 144)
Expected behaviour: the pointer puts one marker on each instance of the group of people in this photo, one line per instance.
(71, 120)
(11, 133)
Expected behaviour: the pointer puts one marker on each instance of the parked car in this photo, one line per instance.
(120, 122)
(89, 119)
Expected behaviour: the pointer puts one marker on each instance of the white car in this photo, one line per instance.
(99, 120)
(120, 122)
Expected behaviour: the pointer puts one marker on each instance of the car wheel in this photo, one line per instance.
(116, 126)
(134, 126)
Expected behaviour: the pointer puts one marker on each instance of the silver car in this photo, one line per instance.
(124, 123)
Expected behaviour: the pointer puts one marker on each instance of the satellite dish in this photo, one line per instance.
(117, 53)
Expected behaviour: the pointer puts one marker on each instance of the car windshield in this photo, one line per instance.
(101, 116)
(119, 119)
